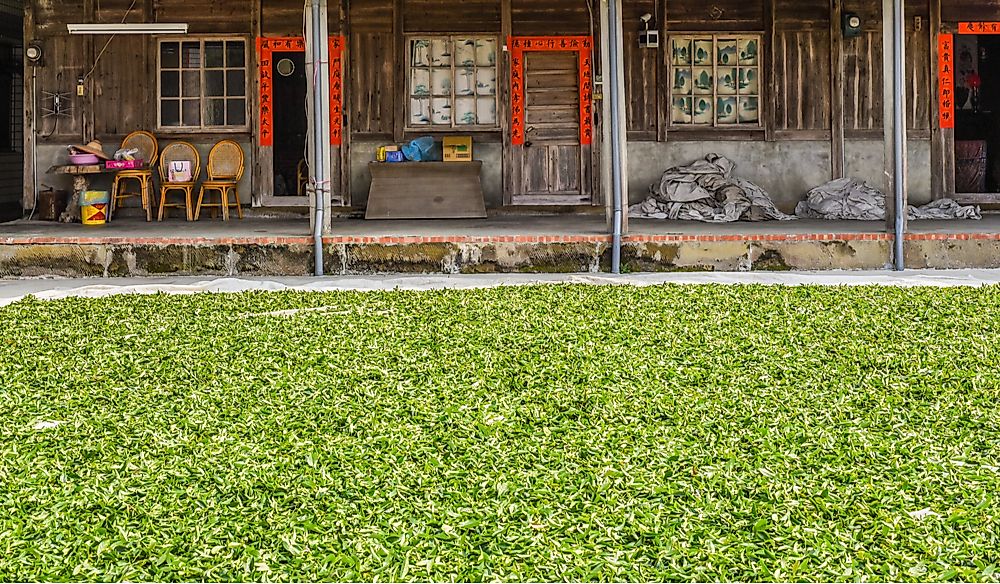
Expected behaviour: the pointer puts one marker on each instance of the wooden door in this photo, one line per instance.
(552, 167)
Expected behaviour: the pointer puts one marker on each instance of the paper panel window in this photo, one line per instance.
(452, 82)
(203, 84)
(715, 81)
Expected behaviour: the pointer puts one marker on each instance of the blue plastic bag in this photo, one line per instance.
(419, 150)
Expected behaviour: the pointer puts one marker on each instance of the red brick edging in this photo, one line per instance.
(489, 239)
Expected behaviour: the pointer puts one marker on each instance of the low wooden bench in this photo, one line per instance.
(426, 190)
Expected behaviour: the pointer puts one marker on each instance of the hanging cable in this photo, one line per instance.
(108, 44)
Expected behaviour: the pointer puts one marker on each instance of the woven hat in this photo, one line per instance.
(94, 147)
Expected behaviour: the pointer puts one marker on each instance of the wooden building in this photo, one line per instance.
(776, 85)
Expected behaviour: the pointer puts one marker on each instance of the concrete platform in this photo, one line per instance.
(502, 244)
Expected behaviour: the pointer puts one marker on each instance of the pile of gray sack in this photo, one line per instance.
(707, 191)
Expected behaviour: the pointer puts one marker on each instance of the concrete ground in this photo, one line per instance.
(51, 289)
(507, 225)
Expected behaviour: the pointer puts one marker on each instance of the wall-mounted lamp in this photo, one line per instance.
(648, 39)
(851, 25)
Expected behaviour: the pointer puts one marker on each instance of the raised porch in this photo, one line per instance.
(508, 244)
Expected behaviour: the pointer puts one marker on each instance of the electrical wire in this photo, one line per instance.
(108, 44)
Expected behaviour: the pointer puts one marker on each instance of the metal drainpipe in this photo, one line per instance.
(616, 145)
(899, 131)
(319, 152)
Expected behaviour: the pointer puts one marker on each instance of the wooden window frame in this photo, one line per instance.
(433, 128)
(716, 127)
(203, 99)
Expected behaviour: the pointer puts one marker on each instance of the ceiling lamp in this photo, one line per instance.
(129, 28)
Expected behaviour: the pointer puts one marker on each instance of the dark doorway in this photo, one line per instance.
(290, 123)
(977, 114)
(11, 110)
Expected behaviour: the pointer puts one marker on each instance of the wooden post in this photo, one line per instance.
(30, 106)
(940, 156)
(345, 132)
(87, 102)
(503, 84)
(257, 168)
(607, 188)
(838, 160)
(399, 74)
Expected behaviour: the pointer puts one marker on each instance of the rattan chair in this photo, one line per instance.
(148, 150)
(178, 151)
(225, 169)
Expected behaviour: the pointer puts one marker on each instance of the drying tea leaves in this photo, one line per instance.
(530, 434)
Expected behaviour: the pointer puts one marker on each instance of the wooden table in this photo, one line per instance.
(426, 190)
(81, 183)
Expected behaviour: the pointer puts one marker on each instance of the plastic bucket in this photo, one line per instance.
(94, 207)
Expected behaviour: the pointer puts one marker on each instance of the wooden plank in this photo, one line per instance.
(838, 156)
(715, 16)
(207, 16)
(30, 105)
(468, 16)
(426, 190)
(938, 188)
(953, 11)
(503, 81)
(345, 147)
(398, 72)
(260, 169)
(548, 17)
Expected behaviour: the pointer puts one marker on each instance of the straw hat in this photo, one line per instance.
(94, 147)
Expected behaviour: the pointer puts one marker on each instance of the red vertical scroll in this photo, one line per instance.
(946, 80)
(337, 90)
(583, 45)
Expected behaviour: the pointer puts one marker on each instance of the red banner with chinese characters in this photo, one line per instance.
(979, 28)
(266, 47)
(583, 45)
(946, 80)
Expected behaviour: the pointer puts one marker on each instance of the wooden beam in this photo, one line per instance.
(773, 94)
(399, 75)
(30, 105)
(838, 159)
(939, 154)
(87, 118)
(503, 83)
(257, 182)
(345, 145)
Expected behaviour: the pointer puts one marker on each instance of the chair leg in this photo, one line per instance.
(201, 199)
(224, 197)
(114, 199)
(163, 203)
(239, 208)
(146, 203)
(187, 203)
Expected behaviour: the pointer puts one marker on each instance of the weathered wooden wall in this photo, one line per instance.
(953, 11)
(371, 70)
(798, 42)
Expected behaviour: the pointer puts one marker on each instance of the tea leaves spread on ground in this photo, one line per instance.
(545, 433)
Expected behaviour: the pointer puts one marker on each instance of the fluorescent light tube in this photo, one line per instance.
(128, 28)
